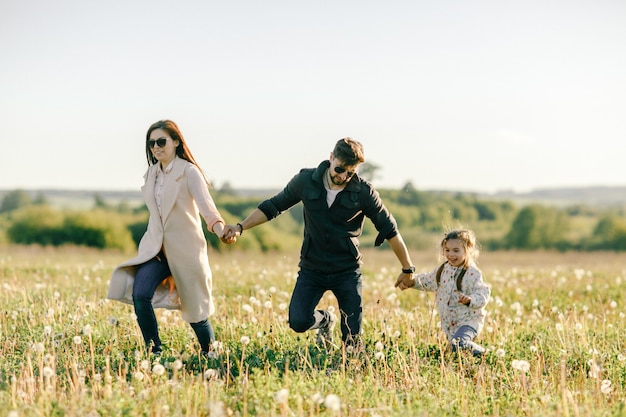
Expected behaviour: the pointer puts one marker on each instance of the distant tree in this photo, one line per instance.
(40, 199)
(538, 227)
(368, 171)
(14, 200)
(99, 201)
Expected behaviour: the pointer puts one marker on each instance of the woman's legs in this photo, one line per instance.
(147, 278)
(204, 332)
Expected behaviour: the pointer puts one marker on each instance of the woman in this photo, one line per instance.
(176, 193)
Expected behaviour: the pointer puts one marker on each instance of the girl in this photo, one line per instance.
(176, 193)
(460, 292)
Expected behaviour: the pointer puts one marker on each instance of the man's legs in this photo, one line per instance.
(348, 289)
(306, 294)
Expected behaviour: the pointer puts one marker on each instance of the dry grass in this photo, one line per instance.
(554, 336)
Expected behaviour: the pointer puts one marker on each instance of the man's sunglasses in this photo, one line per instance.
(341, 170)
(161, 142)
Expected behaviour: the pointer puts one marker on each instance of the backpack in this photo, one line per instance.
(459, 276)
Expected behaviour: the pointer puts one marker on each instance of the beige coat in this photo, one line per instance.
(179, 232)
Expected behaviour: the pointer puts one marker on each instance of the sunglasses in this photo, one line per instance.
(160, 142)
(341, 170)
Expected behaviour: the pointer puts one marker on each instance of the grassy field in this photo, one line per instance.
(554, 336)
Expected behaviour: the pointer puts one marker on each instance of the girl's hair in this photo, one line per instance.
(349, 151)
(468, 240)
(182, 150)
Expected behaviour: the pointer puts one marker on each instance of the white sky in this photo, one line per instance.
(449, 94)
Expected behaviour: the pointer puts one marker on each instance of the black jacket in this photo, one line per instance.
(331, 233)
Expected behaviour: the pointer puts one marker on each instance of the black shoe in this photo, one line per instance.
(157, 350)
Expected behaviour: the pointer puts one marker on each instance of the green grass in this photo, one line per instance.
(66, 351)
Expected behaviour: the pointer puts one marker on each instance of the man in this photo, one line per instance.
(335, 203)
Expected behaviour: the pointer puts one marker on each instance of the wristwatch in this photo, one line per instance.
(408, 270)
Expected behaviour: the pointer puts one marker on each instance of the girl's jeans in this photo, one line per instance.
(463, 339)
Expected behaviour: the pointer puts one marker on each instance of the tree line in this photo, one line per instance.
(422, 217)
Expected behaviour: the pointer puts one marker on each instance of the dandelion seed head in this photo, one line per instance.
(379, 346)
(210, 374)
(87, 330)
(500, 353)
(558, 327)
(379, 356)
(621, 357)
(521, 365)
(48, 372)
(317, 398)
(606, 387)
(247, 308)
(78, 340)
(47, 330)
(177, 365)
(245, 340)
(332, 402)
(613, 305)
(282, 396)
(39, 347)
(267, 305)
(138, 376)
(158, 369)
(145, 364)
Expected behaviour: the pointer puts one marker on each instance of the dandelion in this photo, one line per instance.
(267, 305)
(521, 365)
(332, 402)
(112, 321)
(138, 376)
(613, 305)
(48, 372)
(533, 348)
(605, 387)
(78, 340)
(317, 398)
(47, 330)
(247, 308)
(177, 365)
(500, 353)
(379, 346)
(87, 330)
(13, 413)
(559, 327)
(594, 369)
(379, 356)
(158, 369)
(210, 374)
(39, 347)
(282, 396)
(621, 357)
(145, 364)
(282, 306)
(245, 340)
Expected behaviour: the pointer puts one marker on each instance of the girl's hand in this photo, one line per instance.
(464, 299)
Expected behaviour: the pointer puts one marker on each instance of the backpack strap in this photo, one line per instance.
(459, 276)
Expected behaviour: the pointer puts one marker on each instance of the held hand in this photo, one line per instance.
(405, 281)
(231, 231)
(228, 240)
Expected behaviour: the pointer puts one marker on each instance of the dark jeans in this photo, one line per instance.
(147, 278)
(309, 289)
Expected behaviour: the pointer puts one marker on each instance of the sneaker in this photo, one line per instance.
(157, 350)
(324, 336)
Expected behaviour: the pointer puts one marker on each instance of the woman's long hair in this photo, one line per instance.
(182, 150)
